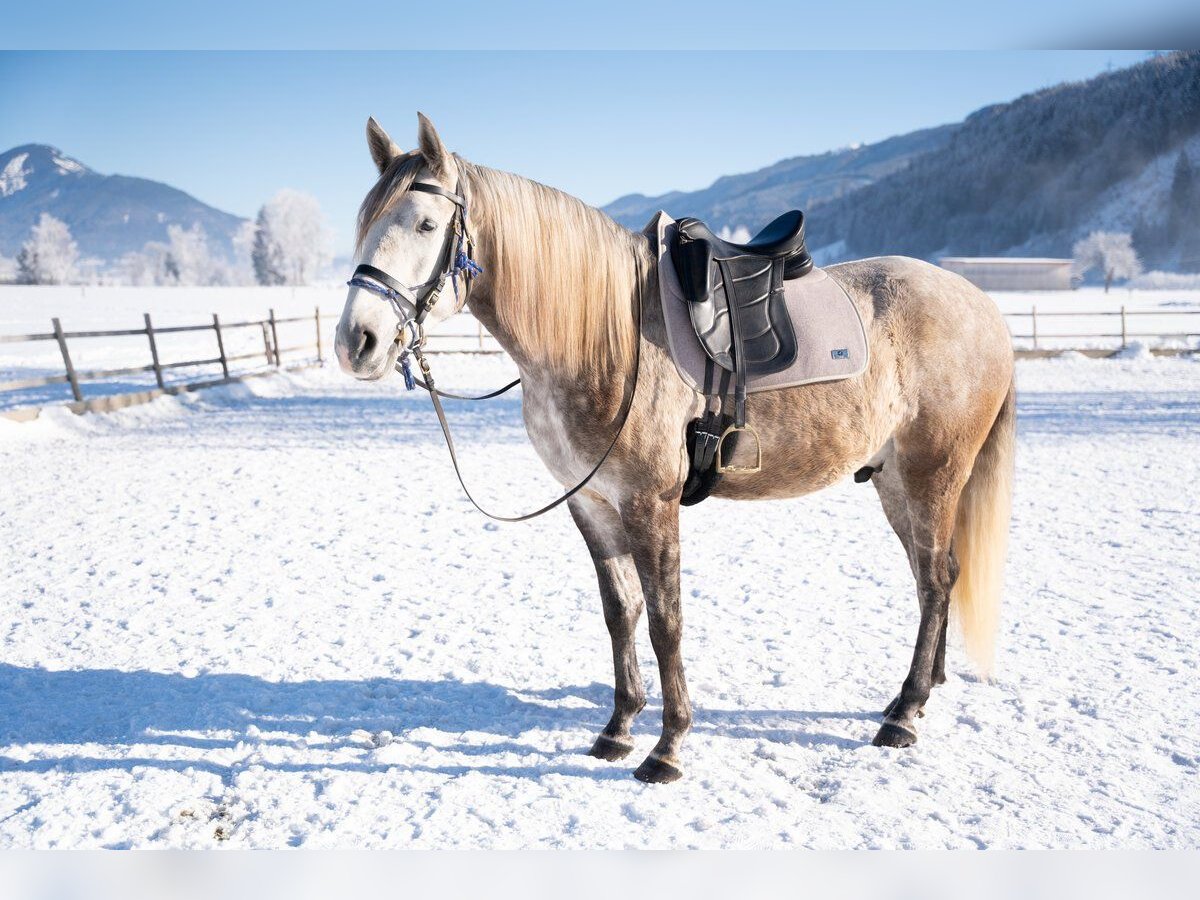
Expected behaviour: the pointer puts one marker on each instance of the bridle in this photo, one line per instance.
(455, 260)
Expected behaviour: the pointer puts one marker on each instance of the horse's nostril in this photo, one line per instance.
(366, 343)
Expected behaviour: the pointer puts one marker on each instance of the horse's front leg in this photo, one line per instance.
(621, 595)
(652, 525)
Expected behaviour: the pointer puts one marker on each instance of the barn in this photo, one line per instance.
(1011, 273)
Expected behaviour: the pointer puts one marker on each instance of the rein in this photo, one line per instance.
(456, 258)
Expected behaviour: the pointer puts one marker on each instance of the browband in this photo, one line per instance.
(439, 190)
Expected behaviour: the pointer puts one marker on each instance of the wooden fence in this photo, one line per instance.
(1123, 333)
(476, 342)
(272, 354)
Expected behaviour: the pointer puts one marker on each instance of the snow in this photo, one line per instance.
(67, 166)
(12, 179)
(264, 615)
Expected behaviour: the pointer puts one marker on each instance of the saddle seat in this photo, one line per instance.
(783, 237)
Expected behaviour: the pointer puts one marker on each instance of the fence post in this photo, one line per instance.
(1034, 314)
(275, 336)
(153, 350)
(320, 351)
(221, 346)
(266, 342)
(1123, 331)
(62, 346)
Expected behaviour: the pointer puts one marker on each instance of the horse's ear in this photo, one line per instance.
(383, 148)
(437, 157)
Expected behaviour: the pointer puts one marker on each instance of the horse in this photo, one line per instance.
(572, 297)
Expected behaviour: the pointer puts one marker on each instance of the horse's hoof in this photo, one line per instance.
(610, 749)
(891, 708)
(656, 771)
(893, 735)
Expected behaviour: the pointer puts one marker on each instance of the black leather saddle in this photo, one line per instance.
(735, 300)
(735, 291)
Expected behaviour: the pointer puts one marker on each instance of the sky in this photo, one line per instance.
(232, 128)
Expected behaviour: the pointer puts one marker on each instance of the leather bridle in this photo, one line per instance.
(455, 259)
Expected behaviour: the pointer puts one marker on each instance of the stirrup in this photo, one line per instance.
(723, 469)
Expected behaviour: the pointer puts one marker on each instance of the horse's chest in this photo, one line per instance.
(548, 421)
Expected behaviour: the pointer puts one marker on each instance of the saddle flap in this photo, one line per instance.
(712, 280)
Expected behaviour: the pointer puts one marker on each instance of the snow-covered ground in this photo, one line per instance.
(265, 616)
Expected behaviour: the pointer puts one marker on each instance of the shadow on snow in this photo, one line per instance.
(123, 710)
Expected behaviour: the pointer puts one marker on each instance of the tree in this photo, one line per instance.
(184, 260)
(8, 270)
(1109, 251)
(50, 254)
(290, 241)
(1183, 229)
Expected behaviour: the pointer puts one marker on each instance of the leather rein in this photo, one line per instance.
(412, 307)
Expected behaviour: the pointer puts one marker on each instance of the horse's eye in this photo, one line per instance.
(429, 225)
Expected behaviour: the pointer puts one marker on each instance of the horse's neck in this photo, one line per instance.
(532, 359)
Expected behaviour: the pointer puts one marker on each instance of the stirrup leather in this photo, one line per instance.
(723, 469)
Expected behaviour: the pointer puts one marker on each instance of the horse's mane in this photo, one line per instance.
(562, 274)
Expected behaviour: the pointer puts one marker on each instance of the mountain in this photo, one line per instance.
(1117, 152)
(753, 199)
(109, 215)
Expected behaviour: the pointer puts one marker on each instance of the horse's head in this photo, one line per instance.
(406, 245)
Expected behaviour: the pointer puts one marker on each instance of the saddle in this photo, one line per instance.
(735, 299)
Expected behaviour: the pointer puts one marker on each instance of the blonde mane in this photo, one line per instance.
(561, 273)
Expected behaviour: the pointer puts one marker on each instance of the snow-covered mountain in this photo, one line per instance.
(109, 215)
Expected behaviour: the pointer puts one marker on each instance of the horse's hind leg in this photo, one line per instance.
(621, 595)
(894, 499)
(932, 487)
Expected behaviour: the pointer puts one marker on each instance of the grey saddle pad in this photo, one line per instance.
(830, 340)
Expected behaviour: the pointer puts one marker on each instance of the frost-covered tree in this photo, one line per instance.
(1109, 251)
(145, 267)
(185, 259)
(291, 241)
(8, 270)
(188, 258)
(50, 254)
(738, 235)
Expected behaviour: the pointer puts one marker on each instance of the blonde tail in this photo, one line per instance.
(981, 538)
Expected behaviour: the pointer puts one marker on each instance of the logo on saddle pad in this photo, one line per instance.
(840, 353)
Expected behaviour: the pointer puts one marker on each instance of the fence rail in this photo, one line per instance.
(477, 342)
(1123, 333)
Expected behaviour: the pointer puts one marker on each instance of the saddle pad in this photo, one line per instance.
(830, 340)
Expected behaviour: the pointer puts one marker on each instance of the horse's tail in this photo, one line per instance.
(981, 537)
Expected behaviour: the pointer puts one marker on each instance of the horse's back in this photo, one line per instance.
(940, 353)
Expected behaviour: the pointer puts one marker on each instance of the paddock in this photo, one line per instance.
(265, 615)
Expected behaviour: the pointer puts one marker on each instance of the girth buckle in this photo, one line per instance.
(723, 469)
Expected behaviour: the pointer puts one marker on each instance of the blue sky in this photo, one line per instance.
(233, 127)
